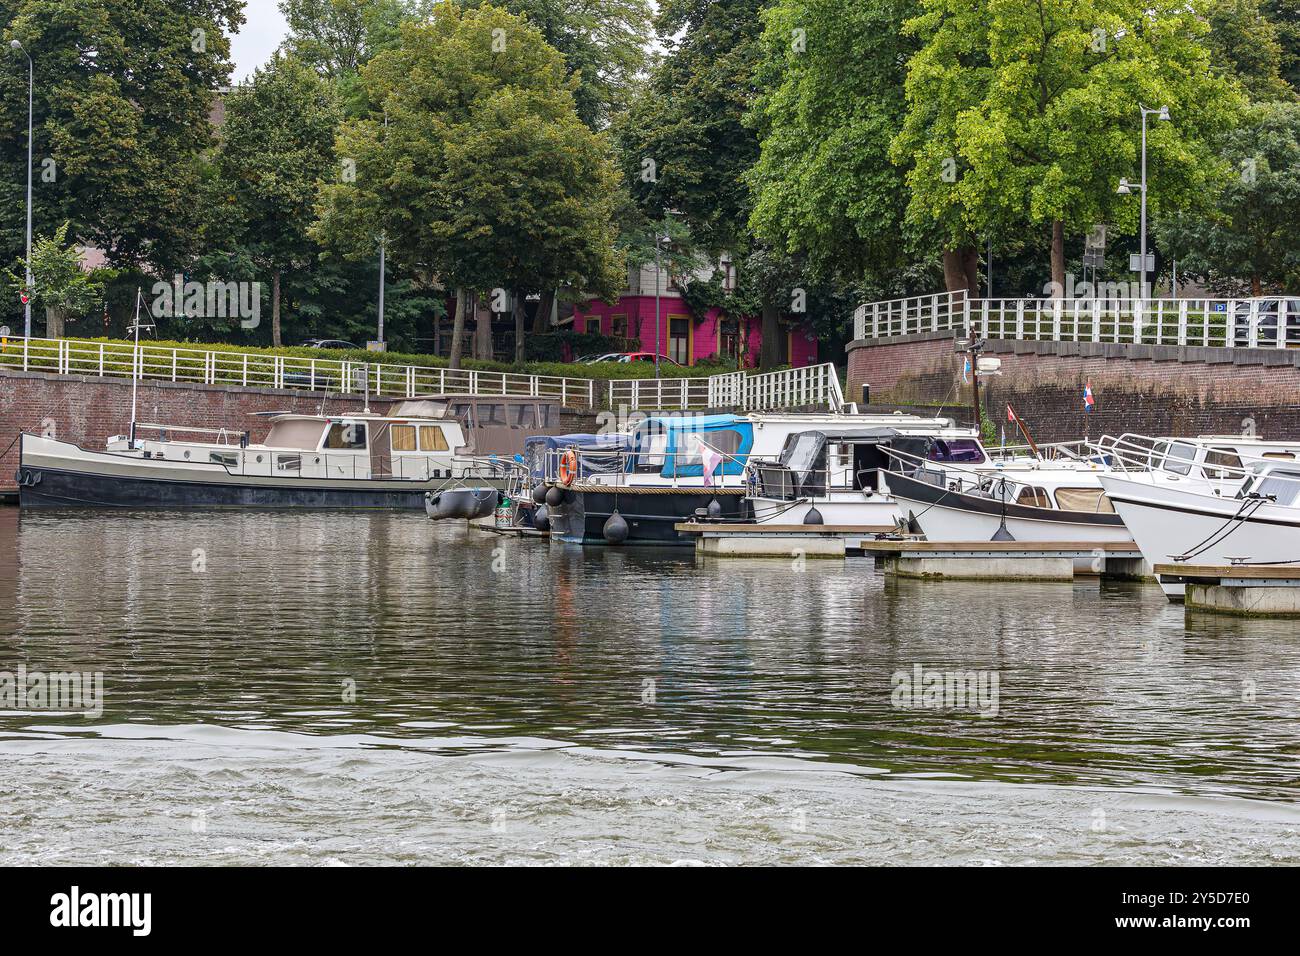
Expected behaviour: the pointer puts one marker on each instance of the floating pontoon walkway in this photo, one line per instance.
(911, 557)
(1261, 590)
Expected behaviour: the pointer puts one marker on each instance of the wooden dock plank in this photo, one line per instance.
(1272, 572)
(1007, 547)
(700, 527)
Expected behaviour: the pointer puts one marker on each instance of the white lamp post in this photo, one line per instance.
(1126, 187)
(31, 82)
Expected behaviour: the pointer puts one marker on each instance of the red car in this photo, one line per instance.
(635, 357)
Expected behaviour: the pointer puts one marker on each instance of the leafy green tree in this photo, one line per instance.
(1024, 113)
(61, 285)
(338, 37)
(1246, 243)
(277, 143)
(1285, 16)
(478, 170)
(831, 101)
(603, 42)
(686, 148)
(1244, 45)
(123, 93)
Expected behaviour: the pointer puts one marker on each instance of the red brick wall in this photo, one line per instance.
(1156, 390)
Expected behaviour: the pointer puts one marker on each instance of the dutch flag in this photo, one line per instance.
(1088, 400)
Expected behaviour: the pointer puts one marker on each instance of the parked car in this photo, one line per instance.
(635, 357)
(1266, 312)
(329, 344)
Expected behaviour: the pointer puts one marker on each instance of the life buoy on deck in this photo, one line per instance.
(568, 466)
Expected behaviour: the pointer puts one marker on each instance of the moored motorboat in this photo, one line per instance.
(306, 461)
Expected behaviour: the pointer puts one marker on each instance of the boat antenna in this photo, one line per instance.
(136, 365)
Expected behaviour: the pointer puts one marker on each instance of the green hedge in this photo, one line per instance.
(261, 361)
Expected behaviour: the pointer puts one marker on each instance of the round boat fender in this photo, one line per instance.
(813, 516)
(615, 529)
(541, 521)
(539, 493)
(554, 496)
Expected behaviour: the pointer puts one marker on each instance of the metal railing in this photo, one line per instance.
(811, 385)
(1270, 322)
(260, 370)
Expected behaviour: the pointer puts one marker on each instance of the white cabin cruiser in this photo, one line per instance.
(1213, 500)
(837, 475)
(310, 461)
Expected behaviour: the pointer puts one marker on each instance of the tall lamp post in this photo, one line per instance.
(31, 83)
(1126, 187)
(659, 281)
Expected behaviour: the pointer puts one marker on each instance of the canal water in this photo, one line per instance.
(352, 689)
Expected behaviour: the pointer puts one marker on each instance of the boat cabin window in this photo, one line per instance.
(228, 459)
(490, 415)
(346, 435)
(524, 416)
(463, 411)
(1180, 457)
(726, 442)
(1034, 497)
(956, 451)
(432, 438)
(1158, 454)
(651, 458)
(1279, 455)
(1282, 485)
(1092, 500)
(1222, 463)
(402, 437)
(288, 462)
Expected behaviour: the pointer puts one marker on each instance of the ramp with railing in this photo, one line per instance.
(1262, 322)
(816, 385)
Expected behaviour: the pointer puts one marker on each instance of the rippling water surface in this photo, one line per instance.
(350, 689)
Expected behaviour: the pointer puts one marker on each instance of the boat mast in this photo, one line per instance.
(135, 363)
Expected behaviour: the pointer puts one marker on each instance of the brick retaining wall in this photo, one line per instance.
(1150, 389)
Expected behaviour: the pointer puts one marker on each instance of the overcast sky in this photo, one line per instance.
(253, 45)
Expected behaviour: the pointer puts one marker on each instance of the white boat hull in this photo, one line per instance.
(1168, 522)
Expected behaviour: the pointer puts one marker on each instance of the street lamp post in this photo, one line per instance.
(31, 82)
(1126, 187)
(658, 284)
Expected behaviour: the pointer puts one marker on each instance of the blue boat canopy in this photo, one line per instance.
(668, 444)
(536, 448)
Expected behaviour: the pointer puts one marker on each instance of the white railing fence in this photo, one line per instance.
(1268, 322)
(813, 385)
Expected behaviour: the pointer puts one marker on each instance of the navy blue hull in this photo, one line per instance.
(650, 517)
(51, 488)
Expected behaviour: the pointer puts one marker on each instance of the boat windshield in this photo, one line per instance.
(955, 451)
(1284, 486)
(295, 433)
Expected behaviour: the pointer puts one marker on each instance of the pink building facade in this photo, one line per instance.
(686, 340)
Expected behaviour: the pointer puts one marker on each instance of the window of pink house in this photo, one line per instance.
(679, 340)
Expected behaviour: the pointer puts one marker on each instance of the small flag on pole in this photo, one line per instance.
(965, 371)
(1011, 416)
(710, 459)
(1088, 400)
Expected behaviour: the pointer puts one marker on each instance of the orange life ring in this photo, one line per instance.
(568, 466)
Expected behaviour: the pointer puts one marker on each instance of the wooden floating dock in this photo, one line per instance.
(721, 539)
(1267, 590)
(915, 558)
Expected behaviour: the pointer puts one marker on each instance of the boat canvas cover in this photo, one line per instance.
(537, 447)
(732, 435)
(805, 452)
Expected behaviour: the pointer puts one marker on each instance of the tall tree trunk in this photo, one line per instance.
(457, 329)
(769, 352)
(53, 323)
(970, 262)
(482, 329)
(955, 278)
(1058, 259)
(542, 320)
(275, 309)
(517, 307)
(1256, 286)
